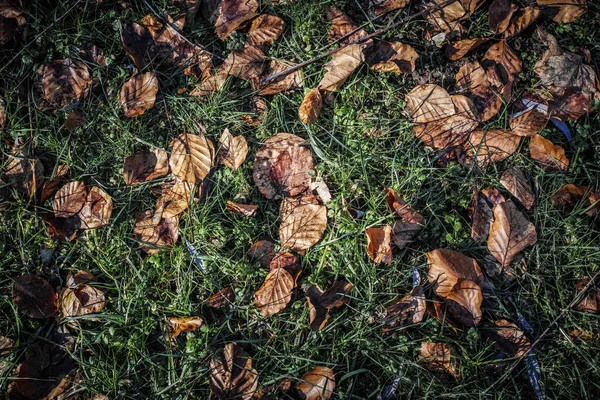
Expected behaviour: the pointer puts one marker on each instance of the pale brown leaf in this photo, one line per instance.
(265, 29)
(232, 150)
(143, 167)
(247, 63)
(565, 11)
(547, 154)
(191, 157)
(97, 209)
(464, 302)
(342, 26)
(447, 18)
(175, 197)
(529, 122)
(429, 102)
(439, 359)
(24, 172)
(138, 94)
(385, 6)
(275, 293)
(247, 210)
(155, 232)
(472, 78)
(521, 20)
(317, 384)
(492, 146)
(515, 182)
(379, 244)
(178, 325)
(303, 222)
(447, 268)
(79, 298)
(284, 83)
(459, 49)
(341, 66)
(396, 57)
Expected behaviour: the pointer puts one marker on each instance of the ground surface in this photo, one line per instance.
(362, 144)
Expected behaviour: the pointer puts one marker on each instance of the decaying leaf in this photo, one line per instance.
(481, 216)
(459, 49)
(265, 29)
(231, 375)
(341, 66)
(439, 359)
(191, 157)
(69, 199)
(531, 115)
(408, 222)
(35, 297)
(385, 56)
(155, 231)
(342, 26)
(222, 298)
(464, 302)
(78, 298)
(510, 233)
(317, 384)
(502, 67)
(275, 293)
(178, 325)
(290, 172)
(492, 146)
(547, 154)
(247, 210)
(409, 310)
(379, 244)
(138, 94)
(447, 268)
(565, 11)
(303, 222)
(247, 63)
(515, 182)
(64, 82)
(589, 300)
(321, 302)
(96, 210)
(310, 109)
(284, 83)
(262, 251)
(232, 16)
(143, 167)
(232, 150)
(507, 337)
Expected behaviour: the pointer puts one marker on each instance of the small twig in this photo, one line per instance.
(357, 41)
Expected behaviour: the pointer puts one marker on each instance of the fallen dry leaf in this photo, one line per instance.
(62, 228)
(549, 155)
(570, 106)
(265, 29)
(96, 210)
(317, 384)
(247, 210)
(262, 251)
(396, 57)
(459, 49)
(481, 216)
(521, 20)
(321, 302)
(341, 66)
(429, 102)
(342, 26)
(64, 82)
(210, 84)
(275, 293)
(175, 197)
(568, 195)
(409, 310)
(501, 12)
(492, 146)
(510, 233)
(232, 150)
(178, 325)
(78, 298)
(51, 185)
(531, 115)
(515, 182)
(222, 298)
(284, 83)
(379, 244)
(231, 374)
(154, 231)
(321, 190)
(472, 78)
(409, 222)
(310, 109)
(232, 16)
(35, 297)
(464, 303)
(69, 199)
(74, 120)
(507, 337)
(303, 222)
(24, 172)
(258, 106)
(565, 11)
(138, 94)
(291, 171)
(589, 301)
(447, 268)
(447, 18)
(191, 157)
(143, 167)
(12, 22)
(502, 67)
(247, 63)
(493, 195)
(385, 6)
(439, 359)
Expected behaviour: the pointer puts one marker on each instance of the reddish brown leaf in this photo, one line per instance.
(247, 63)
(501, 12)
(290, 172)
(568, 195)
(262, 251)
(385, 6)
(178, 325)
(447, 268)
(342, 25)
(232, 16)
(222, 298)
(35, 297)
(507, 337)
(275, 293)
(526, 121)
(231, 374)
(439, 359)
(548, 155)
(155, 232)
(459, 49)
(492, 146)
(310, 109)
(78, 298)
(379, 242)
(247, 210)
(409, 222)
(464, 302)
(143, 167)
(284, 83)
(64, 82)
(321, 302)
(50, 186)
(407, 311)
(396, 57)
(565, 11)
(481, 216)
(521, 20)
(472, 78)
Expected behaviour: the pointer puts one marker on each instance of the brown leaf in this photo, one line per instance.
(310, 109)
(407, 311)
(284, 83)
(178, 325)
(262, 251)
(275, 293)
(501, 12)
(154, 231)
(447, 18)
(571, 106)
(175, 197)
(317, 384)
(247, 63)
(379, 242)
(321, 302)
(493, 195)
(62, 228)
(258, 107)
(232, 150)
(265, 29)
(24, 172)
(515, 182)
(527, 121)
(69, 199)
(521, 20)
(231, 375)
(341, 66)
(303, 222)
(550, 156)
(568, 195)
(447, 268)
(64, 82)
(50, 186)
(439, 359)
(472, 78)
(510, 233)
(287, 261)
(74, 120)
(290, 172)
(191, 157)
(385, 6)
(143, 167)
(97, 209)
(589, 300)
(222, 298)
(266, 156)
(409, 222)
(232, 16)
(138, 94)
(247, 210)
(210, 84)
(439, 310)
(80, 299)
(341, 26)
(490, 147)
(35, 297)
(464, 302)
(459, 49)
(385, 56)
(502, 66)
(565, 11)
(507, 337)
(481, 216)
(429, 102)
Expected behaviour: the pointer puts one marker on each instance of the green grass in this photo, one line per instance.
(121, 351)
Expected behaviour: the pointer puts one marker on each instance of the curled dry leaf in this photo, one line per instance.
(549, 155)
(409, 310)
(97, 209)
(321, 302)
(263, 252)
(232, 16)
(565, 11)
(69, 199)
(64, 82)
(521, 20)
(143, 167)
(191, 157)
(447, 268)
(385, 56)
(247, 63)
(341, 66)
(35, 297)
(231, 375)
(379, 244)
(265, 29)
(138, 94)
(178, 325)
(284, 83)
(481, 216)
(507, 337)
(409, 222)
(510, 233)
(515, 182)
(464, 303)
(472, 78)
(459, 49)
(492, 146)
(317, 384)
(155, 231)
(79, 298)
(290, 172)
(439, 359)
(501, 12)
(342, 26)
(247, 210)
(303, 222)
(385, 6)
(232, 150)
(310, 109)
(275, 293)
(531, 115)
(222, 298)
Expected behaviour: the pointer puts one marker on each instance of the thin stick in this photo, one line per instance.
(357, 41)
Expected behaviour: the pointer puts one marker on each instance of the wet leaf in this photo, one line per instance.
(291, 171)
(464, 302)
(565, 11)
(321, 302)
(459, 49)
(97, 209)
(138, 94)
(396, 57)
(447, 268)
(232, 150)
(510, 233)
(69, 199)
(409, 310)
(492, 146)
(310, 109)
(222, 298)
(379, 242)
(177, 325)
(247, 210)
(303, 222)
(507, 337)
(342, 25)
(154, 231)
(501, 12)
(265, 29)
(64, 82)
(275, 293)
(247, 63)
(79, 298)
(35, 297)
(231, 375)
(547, 154)
(284, 83)
(439, 359)
(515, 182)
(143, 167)
(191, 157)
(341, 66)
(232, 15)
(317, 384)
